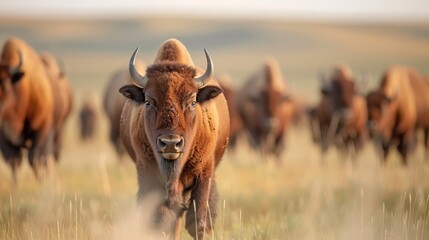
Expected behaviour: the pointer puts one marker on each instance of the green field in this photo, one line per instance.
(91, 195)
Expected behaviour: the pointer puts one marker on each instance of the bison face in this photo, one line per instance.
(10, 75)
(274, 103)
(172, 106)
(343, 93)
(7, 83)
(380, 115)
(270, 105)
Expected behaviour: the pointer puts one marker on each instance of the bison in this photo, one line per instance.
(113, 102)
(350, 113)
(320, 119)
(26, 106)
(266, 108)
(88, 118)
(175, 125)
(63, 98)
(397, 109)
(341, 115)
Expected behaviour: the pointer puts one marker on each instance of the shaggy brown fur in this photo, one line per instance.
(398, 108)
(170, 104)
(26, 106)
(63, 98)
(266, 108)
(320, 120)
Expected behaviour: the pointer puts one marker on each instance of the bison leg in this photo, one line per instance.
(426, 136)
(324, 140)
(202, 213)
(57, 144)
(385, 151)
(39, 152)
(12, 155)
(404, 148)
(278, 147)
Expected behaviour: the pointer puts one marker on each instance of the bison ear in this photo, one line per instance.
(17, 76)
(207, 93)
(133, 92)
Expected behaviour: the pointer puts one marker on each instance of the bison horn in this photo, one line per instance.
(135, 75)
(201, 81)
(13, 70)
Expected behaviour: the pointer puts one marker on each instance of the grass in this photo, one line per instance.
(92, 196)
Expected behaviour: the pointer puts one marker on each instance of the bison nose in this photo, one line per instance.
(170, 143)
(271, 123)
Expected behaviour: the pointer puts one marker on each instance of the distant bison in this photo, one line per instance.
(266, 108)
(341, 114)
(88, 118)
(397, 108)
(63, 98)
(113, 103)
(26, 106)
(320, 119)
(236, 124)
(350, 113)
(175, 125)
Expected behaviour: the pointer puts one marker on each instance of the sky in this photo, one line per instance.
(360, 10)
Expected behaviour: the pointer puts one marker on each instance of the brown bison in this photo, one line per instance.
(113, 103)
(341, 115)
(88, 118)
(320, 119)
(175, 125)
(397, 108)
(266, 108)
(63, 98)
(26, 106)
(236, 125)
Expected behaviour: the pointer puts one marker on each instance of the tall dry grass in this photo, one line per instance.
(92, 196)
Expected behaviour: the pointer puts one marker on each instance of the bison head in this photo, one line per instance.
(9, 75)
(271, 98)
(343, 92)
(171, 96)
(381, 114)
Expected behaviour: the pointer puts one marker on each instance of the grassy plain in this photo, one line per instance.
(92, 195)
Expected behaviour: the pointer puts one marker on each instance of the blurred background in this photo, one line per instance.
(92, 195)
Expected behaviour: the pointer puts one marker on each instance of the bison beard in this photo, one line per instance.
(168, 169)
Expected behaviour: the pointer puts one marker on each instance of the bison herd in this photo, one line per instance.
(175, 120)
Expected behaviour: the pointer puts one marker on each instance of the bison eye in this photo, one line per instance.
(148, 103)
(191, 106)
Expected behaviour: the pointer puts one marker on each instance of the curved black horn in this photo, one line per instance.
(137, 78)
(13, 70)
(201, 81)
